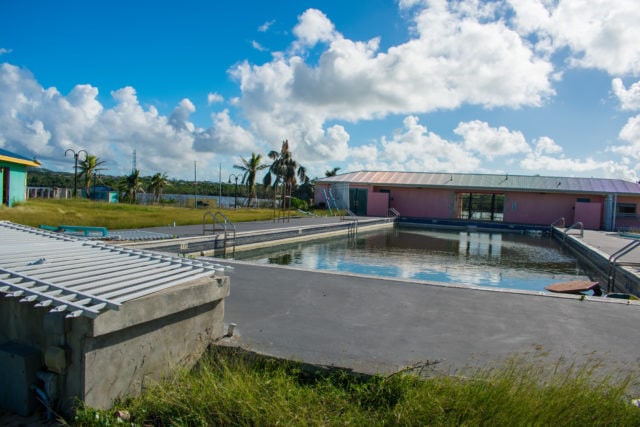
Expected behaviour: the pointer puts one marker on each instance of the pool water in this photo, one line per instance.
(498, 260)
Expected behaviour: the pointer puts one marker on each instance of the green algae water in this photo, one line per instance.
(496, 260)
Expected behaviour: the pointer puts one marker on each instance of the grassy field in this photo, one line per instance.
(117, 215)
(232, 388)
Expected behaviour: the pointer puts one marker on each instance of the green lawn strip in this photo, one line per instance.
(117, 215)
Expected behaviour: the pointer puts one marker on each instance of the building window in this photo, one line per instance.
(583, 200)
(481, 206)
(626, 209)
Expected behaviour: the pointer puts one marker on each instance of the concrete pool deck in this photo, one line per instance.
(258, 226)
(382, 325)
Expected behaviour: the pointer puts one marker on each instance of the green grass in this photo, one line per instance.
(117, 215)
(230, 387)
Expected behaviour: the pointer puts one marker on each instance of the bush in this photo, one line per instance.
(299, 204)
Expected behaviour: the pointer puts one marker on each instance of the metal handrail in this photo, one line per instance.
(352, 228)
(581, 225)
(613, 260)
(394, 212)
(555, 223)
(220, 218)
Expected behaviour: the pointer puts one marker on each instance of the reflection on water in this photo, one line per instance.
(488, 259)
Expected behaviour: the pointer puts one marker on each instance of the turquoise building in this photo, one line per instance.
(13, 176)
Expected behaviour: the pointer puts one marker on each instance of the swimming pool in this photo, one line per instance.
(497, 260)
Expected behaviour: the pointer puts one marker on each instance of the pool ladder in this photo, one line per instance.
(577, 224)
(283, 215)
(352, 227)
(220, 218)
(558, 222)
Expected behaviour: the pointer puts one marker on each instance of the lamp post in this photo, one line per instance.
(235, 191)
(75, 173)
(95, 175)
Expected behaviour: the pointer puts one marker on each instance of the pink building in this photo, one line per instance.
(599, 204)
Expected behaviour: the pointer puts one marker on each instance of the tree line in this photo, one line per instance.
(284, 178)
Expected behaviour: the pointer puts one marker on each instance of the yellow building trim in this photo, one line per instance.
(20, 161)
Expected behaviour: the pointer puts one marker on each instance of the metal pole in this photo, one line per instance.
(75, 178)
(235, 192)
(75, 171)
(235, 195)
(195, 178)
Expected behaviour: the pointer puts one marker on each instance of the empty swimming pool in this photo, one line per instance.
(498, 260)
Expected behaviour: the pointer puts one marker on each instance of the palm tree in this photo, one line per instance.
(132, 185)
(332, 172)
(88, 167)
(250, 168)
(158, 182)
(285, 169)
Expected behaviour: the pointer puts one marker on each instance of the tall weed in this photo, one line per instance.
(232, 388)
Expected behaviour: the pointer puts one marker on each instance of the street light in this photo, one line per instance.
(75, 174)
(95, 175)
(235, 192)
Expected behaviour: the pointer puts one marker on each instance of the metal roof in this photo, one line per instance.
(83, 277)
(488, 182)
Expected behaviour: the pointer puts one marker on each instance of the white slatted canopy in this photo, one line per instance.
(82, 277)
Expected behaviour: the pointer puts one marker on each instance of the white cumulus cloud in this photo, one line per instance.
(414, 148)
(491, 142)
(314, 27)
(601, 34)
(630, 135)
(214, 98)
(453, 59)
(40, 122)
(629, 98)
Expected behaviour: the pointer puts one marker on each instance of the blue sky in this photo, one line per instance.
(508, 86)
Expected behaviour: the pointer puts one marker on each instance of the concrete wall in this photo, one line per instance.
(117, 353)
(589, 214)
(519, 207)
(377, 204)
(423, 202)
(545, 208)
(538, 208)
(17, 182)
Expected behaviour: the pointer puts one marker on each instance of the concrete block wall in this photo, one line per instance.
(119, 352)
